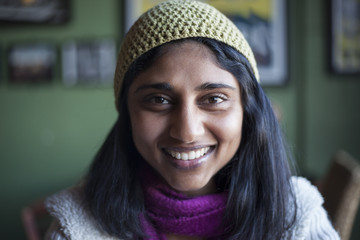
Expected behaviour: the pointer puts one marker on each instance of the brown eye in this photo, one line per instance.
(157, 100)
(160, 100)
(215, 99)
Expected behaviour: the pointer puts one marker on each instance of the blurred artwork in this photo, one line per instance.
(345, 18)
(89, 62)
(34, 11)
(263, 23)
(31, 63)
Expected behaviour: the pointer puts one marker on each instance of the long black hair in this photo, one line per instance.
(257, 177)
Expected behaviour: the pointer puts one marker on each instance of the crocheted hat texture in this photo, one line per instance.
(174, 20)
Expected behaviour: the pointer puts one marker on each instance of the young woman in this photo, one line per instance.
(196, 152)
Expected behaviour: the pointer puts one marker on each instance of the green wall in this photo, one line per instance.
(49, 133)
(332, 102)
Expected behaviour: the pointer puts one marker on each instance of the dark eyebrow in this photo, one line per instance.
(159, 86)
(209, 86)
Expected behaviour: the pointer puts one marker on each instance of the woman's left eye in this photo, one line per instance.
(214, 99)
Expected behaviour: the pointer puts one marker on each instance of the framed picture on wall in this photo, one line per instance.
(263, 23)
(35, 11)
(90, 62)
(31, 62)
(345, 36)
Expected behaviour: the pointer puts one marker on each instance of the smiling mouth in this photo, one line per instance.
(189, 155)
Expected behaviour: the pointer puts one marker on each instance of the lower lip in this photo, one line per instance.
(188, 164)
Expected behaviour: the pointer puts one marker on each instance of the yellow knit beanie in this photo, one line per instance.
(173, 20)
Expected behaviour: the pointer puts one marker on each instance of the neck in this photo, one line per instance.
(180, 237)
(209, 188)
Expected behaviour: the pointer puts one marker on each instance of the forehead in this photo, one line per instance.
(188, 61)
(199, 49)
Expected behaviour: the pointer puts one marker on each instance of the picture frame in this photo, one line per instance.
(31, 62)
(345, 36)
(263, 23)
(35, 12)
(88, 62)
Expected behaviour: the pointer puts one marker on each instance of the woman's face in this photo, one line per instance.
(186, 117)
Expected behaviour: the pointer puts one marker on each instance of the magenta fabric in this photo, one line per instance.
(172, 212)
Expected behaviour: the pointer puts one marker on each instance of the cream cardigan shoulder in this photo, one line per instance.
(74, 221)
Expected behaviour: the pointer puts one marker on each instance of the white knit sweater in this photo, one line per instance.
(74, 222)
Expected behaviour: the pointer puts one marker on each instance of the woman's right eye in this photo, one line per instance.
(159, 100)
(156, 100)
(157, 103)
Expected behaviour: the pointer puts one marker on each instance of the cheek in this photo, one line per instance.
(228, 129)
(145, 131)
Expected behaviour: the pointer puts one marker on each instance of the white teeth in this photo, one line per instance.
(184, 156)
(189, 155)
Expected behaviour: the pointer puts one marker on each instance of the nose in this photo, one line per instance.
(187, 124)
